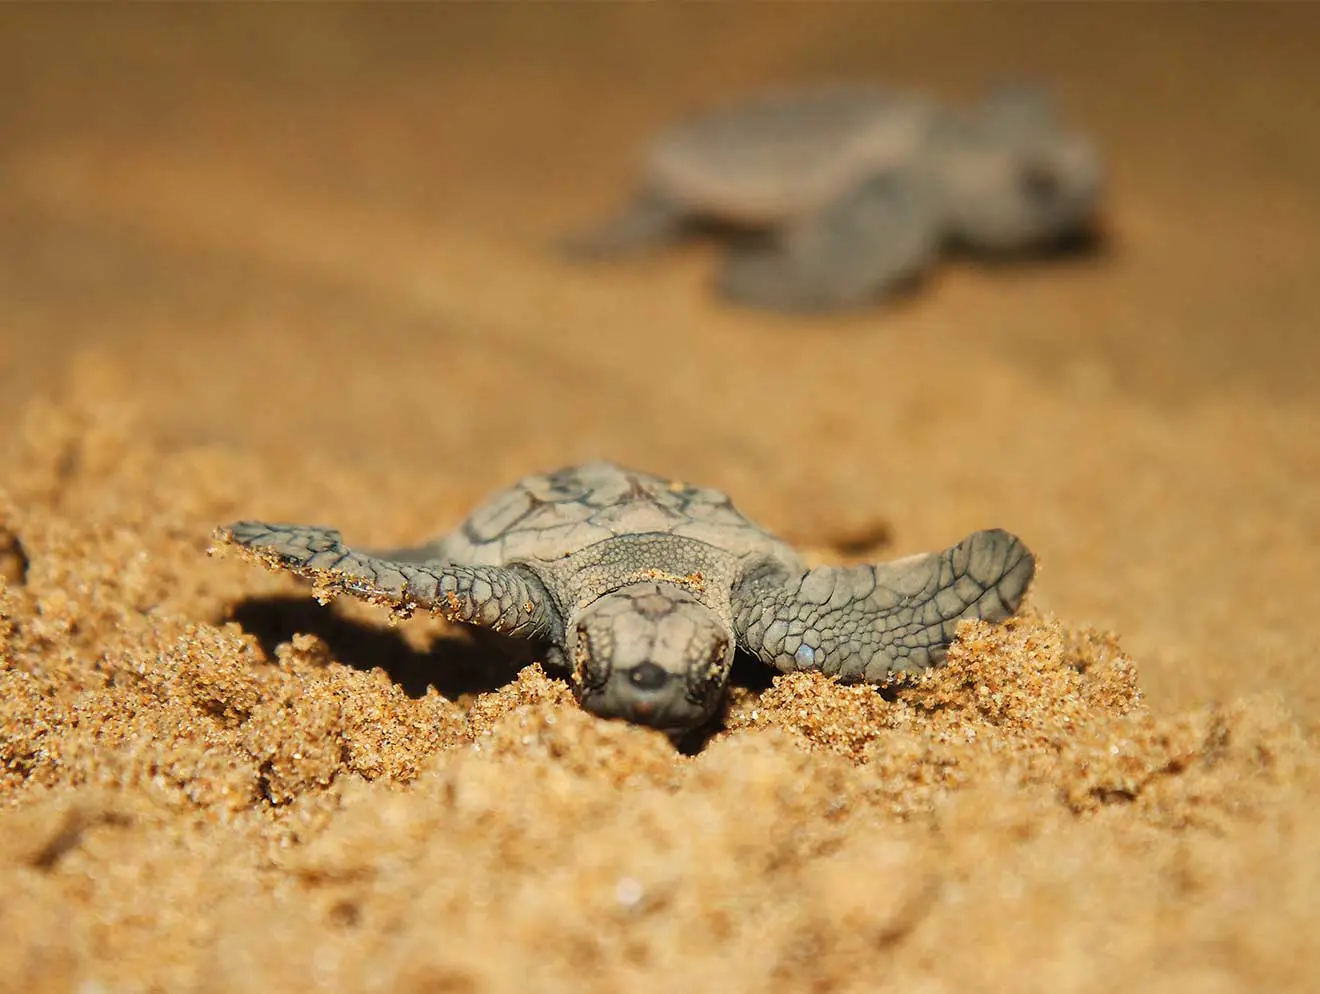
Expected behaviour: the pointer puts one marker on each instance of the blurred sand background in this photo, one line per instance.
(291, 262)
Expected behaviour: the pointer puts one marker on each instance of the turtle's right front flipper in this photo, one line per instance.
(878, 235)
(505, 599)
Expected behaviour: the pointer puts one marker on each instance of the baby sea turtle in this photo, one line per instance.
(849, 191)
(643, 588)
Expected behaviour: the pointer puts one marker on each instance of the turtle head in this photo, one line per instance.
(653, 654)
(1014, 176)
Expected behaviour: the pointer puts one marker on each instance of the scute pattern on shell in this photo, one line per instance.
(545, 517)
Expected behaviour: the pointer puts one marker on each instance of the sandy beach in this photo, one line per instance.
(294, 263)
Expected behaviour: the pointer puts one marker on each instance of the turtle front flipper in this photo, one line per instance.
(867, 623)
(880, 234)
(505, 599)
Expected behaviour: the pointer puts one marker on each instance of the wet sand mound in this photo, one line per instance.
(186, 808)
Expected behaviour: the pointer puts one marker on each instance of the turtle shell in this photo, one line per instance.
(546, 517)
(786, 153)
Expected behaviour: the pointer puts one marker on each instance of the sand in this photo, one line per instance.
(292, 263)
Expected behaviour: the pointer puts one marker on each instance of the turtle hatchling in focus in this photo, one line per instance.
(642, 589)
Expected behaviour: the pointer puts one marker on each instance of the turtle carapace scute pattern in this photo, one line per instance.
(839, 195)
(643, 588)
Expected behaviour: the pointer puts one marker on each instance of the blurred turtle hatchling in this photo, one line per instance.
(837, 195)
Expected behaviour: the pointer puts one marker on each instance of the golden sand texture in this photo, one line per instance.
(183, 809)
(293, 263)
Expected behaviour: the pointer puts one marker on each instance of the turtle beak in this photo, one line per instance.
(643, 711)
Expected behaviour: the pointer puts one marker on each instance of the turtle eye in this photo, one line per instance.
(1039, 181)
(705, 681)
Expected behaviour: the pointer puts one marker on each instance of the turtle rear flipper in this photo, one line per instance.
(647, 221)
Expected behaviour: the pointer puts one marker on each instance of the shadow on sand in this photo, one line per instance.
(471, 662)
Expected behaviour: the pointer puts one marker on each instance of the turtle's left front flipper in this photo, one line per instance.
(505, 599)
(870, 622)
